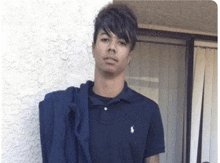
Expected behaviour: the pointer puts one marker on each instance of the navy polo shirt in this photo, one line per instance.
(124, 129)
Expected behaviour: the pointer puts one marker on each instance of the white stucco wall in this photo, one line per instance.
(47, 46)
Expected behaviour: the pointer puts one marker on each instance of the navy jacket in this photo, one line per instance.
(64, 116)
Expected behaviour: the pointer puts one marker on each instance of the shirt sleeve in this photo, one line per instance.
(155, 137)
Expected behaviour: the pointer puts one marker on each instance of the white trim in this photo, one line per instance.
(161, 40)
(198, 81)
(207, 105)
(207, 44)
(171, 29)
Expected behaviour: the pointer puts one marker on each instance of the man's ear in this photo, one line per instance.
(129, 58)
(93, 47)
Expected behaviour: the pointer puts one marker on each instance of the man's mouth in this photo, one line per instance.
(110, 59)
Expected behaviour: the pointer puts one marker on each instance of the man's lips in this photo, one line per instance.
(111, 59)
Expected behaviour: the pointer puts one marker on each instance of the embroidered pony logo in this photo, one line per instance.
(132, 129)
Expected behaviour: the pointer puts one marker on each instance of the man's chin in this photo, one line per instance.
(109, 73)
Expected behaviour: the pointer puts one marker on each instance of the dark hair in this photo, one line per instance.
(118, 19)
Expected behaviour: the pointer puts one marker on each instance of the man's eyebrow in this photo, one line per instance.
(104, 33)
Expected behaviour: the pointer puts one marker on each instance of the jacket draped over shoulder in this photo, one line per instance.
(64, 126)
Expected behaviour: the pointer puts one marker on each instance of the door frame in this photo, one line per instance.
(190, 38)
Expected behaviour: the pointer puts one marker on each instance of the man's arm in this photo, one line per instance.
(152, 159)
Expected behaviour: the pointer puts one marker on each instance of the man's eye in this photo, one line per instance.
(123, 43)
(104, 39)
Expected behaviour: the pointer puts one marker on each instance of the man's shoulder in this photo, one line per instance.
(55, 95)
(138, 97)
(68, 92)
(143, 106)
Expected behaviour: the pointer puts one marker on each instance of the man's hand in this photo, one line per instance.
(152, 159)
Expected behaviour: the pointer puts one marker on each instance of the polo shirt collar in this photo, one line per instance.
(124, 96)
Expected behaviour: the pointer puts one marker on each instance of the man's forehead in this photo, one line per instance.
(109, 33)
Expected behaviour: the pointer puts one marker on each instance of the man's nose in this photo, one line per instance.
(112, 46)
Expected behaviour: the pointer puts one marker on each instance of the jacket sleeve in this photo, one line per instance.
(46, 118)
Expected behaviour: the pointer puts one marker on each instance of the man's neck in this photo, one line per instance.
(108, 87)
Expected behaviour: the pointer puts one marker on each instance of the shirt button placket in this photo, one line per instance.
(105, 108)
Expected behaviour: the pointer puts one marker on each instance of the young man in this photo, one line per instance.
(103, 121)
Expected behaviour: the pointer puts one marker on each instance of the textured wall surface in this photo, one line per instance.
(47, 46)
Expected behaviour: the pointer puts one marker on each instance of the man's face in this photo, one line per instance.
(111, 54)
